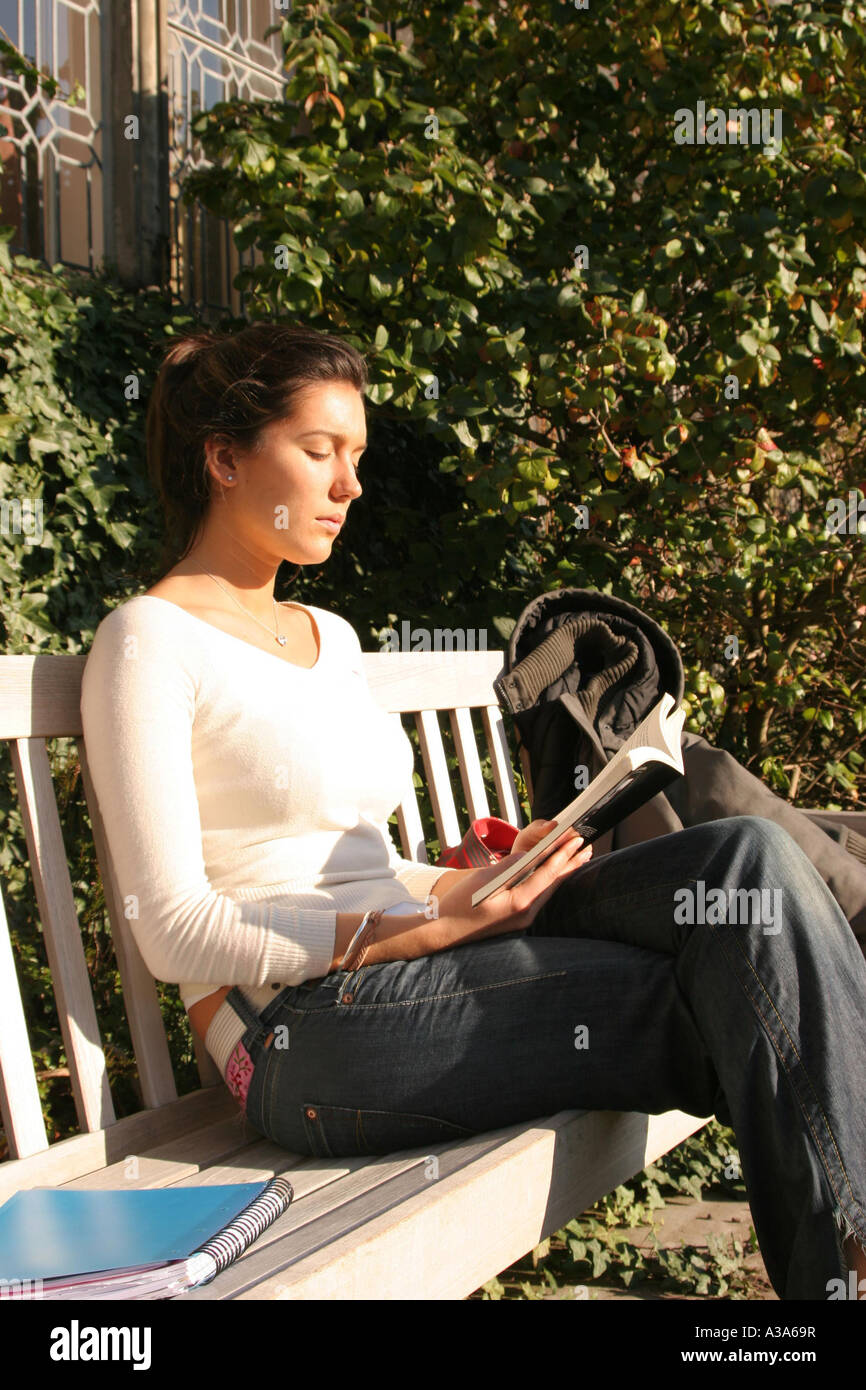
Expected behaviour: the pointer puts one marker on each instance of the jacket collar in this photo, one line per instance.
(592, 647)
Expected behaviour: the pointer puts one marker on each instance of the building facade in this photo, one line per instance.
(98, 185)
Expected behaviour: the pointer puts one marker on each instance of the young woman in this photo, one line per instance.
(245, 775)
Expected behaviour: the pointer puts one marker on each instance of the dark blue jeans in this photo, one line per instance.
(749, 1006)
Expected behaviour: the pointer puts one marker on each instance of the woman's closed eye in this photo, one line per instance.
(324, 456)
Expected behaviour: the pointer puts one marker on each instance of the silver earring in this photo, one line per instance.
(229, 476)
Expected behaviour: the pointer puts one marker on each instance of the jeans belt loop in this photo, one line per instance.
(255, 1029)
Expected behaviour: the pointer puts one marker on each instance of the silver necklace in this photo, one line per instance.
(275, 634)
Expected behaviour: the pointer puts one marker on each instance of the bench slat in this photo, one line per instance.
(20, 1105)
(409, 681)
(379, 1186)
(86, 1060)
(503, 775)
(141, 1002)
(86, 1153)
(412, 840)
(40, 696)
(217, 1152)
(469, 763)
(176, 1161)
(208, 1071)
(335, 1180)
(438, 782)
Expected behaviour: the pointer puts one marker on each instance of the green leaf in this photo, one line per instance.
(352, 205)
(379, 289)
(8, 421)
(255, 154)
(387, 206)
(465, 435)
(532, 470)
(39, 447)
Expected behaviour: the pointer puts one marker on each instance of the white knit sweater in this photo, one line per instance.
(245, 799)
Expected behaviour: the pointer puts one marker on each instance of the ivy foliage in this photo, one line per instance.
(586, 313)
(80, 533)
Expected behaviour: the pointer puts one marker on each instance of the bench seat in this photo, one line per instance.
(435, 1223)
(455, 1215)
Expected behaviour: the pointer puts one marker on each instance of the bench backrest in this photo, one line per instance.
(40, 699)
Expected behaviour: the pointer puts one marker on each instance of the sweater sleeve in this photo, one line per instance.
(417, 879)
(137, 707)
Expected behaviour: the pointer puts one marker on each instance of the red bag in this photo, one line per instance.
(486, 841)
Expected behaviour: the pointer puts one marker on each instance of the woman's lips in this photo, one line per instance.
(333, 526)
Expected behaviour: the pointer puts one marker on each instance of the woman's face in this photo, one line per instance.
(304, 470)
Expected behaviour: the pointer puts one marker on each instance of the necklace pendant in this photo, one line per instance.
(282, 641)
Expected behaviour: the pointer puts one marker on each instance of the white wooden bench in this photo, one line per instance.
(357, 1227)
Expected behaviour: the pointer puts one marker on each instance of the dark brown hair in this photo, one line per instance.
(228, 386)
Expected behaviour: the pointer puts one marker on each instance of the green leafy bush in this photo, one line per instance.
(71, 347)
(433, 211)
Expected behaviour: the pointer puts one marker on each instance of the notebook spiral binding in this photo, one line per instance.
(247, 1226)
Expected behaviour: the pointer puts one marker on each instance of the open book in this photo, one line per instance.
(645, 763)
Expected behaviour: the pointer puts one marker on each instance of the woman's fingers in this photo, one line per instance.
(546, 877)
(574, 854)
(525, 899)
(569, 865)
(569, 850)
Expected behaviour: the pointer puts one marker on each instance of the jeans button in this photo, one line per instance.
(310, 1113)
(348, 997)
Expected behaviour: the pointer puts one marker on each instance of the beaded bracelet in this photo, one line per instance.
(365, 946)
(361, 941)
(355, 939)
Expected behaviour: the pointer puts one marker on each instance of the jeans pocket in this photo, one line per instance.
(343, 1131)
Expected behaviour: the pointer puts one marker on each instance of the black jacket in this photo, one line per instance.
(582, 670)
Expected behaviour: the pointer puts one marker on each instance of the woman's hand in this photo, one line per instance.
(509, 909)
(530, 835)
(525, 839)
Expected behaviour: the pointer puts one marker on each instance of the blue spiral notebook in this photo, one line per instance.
(129, 1243)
